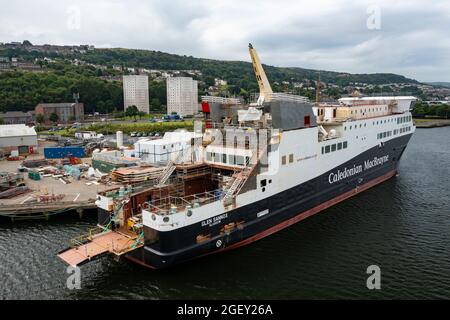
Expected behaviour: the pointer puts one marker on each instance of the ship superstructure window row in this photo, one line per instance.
(404, 119)
(405, 129)
(231, 159)
(334, 147)
(385, 134)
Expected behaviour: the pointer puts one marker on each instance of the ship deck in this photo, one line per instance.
(101, 244)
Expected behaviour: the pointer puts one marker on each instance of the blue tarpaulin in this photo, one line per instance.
(64, 152)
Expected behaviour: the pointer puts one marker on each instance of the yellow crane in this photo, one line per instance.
(265, 91)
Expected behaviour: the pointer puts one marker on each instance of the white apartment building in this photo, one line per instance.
(135, 92)
(182, 96)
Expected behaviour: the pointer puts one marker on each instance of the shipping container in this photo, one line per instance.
(64, 152)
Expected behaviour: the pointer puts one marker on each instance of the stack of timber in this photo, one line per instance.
(136, 174)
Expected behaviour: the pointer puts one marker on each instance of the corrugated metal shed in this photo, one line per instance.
(16, 135)
(16, 130)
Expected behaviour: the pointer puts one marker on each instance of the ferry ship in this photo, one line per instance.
(248, 172)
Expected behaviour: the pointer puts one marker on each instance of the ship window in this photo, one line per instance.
(231, 159)
(283, 160)
(240, 160)
(345, 128)
(208, 156)
(344, 144)
(270, 181)
(333, 147)
(247, 160)
(216, 157)
(291, 158)
(327, 149)
(247, 142)
(263, 183)
(339, 146)
(224, 158)
(307, 121)
(322, 150)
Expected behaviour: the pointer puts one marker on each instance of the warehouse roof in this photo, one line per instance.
(16, 130)
(15, 114)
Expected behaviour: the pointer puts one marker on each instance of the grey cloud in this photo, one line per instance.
(323, 34)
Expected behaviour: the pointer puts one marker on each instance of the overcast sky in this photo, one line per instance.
(408, 37)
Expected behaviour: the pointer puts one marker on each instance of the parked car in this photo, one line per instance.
(133, 134)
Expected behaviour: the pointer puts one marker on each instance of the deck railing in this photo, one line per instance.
(171, 205)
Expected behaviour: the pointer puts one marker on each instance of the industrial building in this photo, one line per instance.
(67, 111)
(18, 137)
(182, 96)
(16, 117)
(135, 92)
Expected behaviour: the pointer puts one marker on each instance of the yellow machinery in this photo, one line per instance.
(265, 91)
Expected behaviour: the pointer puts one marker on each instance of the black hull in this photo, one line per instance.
(285, 209)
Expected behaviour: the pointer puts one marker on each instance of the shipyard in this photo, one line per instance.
(221, 154)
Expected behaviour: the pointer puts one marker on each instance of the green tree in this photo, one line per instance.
(40, 118)
(141, 114)
(54, 118)
(132, 111)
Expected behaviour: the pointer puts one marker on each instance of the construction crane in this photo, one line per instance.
(265, 91)
(318, 90)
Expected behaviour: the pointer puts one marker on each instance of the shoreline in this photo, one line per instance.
(432, 123)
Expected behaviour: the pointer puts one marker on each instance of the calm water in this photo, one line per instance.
(403, 226)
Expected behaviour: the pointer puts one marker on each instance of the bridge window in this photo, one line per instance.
(339, 146)
(240, 160)
(291, 158)
(327, 149)
(344, 144)
(283, 160)
(333, 147)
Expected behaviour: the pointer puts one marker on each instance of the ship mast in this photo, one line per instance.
(265, 91)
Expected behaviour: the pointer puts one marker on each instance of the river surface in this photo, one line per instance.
(402, 226)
